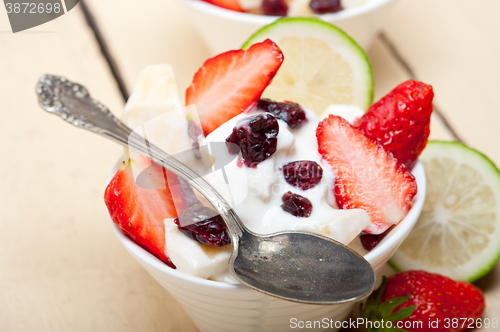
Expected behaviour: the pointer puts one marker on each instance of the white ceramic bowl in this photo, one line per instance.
(216, 306)
(224, 29)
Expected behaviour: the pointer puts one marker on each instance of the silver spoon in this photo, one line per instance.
(295, 266)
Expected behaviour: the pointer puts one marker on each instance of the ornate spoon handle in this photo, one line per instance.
(72, 102)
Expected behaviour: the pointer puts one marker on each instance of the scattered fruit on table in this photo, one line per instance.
(418, 301)
(458, 232)
(367, 176)
(400, 121)
(323, 65)
(232, 82)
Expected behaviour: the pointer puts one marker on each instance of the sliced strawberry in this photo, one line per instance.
(367, 176)
(232, 83)
(228, 4)
(401, 121)
(139, 212)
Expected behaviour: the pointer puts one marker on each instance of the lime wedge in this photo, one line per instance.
(323, 65)
(458, 232)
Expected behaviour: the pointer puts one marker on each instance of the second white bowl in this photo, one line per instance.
(225, 30)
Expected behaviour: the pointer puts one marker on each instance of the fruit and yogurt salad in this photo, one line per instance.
(330, 168)
(344, 173)
(302, 8)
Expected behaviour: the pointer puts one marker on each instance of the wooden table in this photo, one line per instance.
(61, 268)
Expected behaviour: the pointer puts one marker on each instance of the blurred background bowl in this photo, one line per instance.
(217, 307)
(224, 29)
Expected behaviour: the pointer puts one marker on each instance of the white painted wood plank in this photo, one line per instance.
(388, 73)
(61, 267)
(153, 33)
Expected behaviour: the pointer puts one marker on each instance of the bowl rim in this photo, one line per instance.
(390, 242)
(224, 13)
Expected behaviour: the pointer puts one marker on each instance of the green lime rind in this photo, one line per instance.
(479, 264)
(293, 26)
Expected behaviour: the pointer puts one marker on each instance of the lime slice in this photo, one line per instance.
(458, 232)
(323, 65)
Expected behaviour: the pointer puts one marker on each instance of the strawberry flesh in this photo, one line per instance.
(232, 82)
(367, 176)
(400, 121)
(140, 212)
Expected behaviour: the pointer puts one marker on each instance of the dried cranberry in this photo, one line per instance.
(303, 174)
(205, 228)
(296, 205)
(370, 241)
(256, 137)
(325, 6)
(289, 112)
(274, 7)
(232, 142)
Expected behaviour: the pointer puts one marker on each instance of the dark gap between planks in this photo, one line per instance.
(409, 70)
(89, 18)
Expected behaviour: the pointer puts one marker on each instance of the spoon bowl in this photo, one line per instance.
(302, 267)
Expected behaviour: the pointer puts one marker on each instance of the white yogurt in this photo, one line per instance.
(256, 196)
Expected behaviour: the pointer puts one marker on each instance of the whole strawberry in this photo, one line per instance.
(424, 302)
(400, 121)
